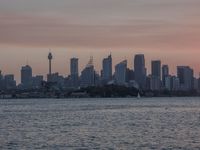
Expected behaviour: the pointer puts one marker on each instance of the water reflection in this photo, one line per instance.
(161, 123)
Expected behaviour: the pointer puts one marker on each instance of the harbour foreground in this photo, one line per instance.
(97, 123)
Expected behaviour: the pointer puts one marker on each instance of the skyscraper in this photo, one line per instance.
(154, 83)
(37, 81)
(10, 82)
(74, 71)
(120, 72)
(26, 76)
(140, 70)
(107, 68)
(165, 73)
(175, 83)
(88, 74)
(185, 75)
(155, 75)
(156, 68)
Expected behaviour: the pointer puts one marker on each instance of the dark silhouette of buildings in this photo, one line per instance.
(185, 75)
(26, 76)
(120, 73)
(88, 75)
(165, 74)
(37, 81)
(7, 82)
(155, 77)
(123, 76)
(156, 68)
(107, 69)
(140, 70)
(74, 74)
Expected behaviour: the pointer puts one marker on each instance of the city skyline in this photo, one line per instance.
(166, 30)
(159, 79)
(74, 63)
(99, 74)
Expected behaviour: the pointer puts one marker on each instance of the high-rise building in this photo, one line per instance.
(168, 82)
(130, 75)
(185, 75)
(74, 74)
(156, 68)
(154, 83)
(120, 72)
(97, 79)
(172, 83)
(10, 82)
(57, 79)
(107, 69)
(88, 76)
(26, 76)
(165, 73)
(196, 84)
(140, 70)
(175, 83)
(37, 81)
(156, 74)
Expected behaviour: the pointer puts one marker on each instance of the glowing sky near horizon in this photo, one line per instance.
(161, 29)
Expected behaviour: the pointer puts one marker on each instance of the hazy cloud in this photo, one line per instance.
(161, 25)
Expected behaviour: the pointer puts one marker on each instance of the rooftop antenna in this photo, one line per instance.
(27, 63)
(110, 51)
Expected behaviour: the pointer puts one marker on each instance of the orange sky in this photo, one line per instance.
(166, 30)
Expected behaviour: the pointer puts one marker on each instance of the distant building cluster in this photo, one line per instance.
(137, 77)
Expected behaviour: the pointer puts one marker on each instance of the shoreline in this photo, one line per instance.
(73, 98)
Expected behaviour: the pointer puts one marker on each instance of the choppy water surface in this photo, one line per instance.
(156, 123)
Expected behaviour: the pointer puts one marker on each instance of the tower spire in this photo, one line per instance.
(50, 57)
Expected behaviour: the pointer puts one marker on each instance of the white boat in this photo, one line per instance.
(138, 96)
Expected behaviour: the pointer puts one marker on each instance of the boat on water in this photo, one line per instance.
(138, 96)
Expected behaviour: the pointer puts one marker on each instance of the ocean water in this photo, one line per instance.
(149, 123)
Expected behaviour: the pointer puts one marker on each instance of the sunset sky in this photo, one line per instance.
(161, 29)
